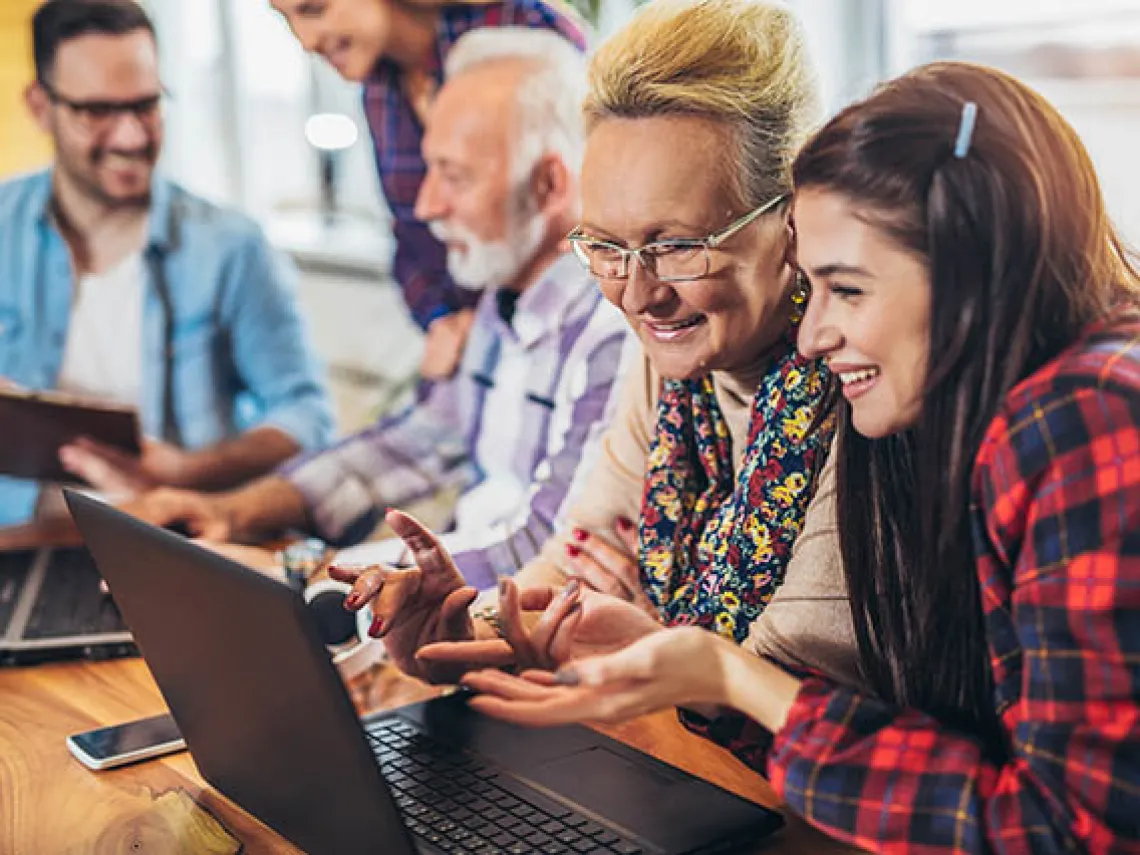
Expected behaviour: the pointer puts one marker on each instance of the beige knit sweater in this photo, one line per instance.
(808, 623)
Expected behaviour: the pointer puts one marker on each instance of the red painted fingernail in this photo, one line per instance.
(581, 535)
(624, 524)
(572, 550)
(377, 626)
(351, 601)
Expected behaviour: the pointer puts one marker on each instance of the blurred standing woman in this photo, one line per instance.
(397, 48)
(981, 313)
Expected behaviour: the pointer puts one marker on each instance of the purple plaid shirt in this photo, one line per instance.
(420, 264)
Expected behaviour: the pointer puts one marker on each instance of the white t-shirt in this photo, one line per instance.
(103, 356)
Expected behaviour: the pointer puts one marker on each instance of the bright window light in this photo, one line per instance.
(331, 131)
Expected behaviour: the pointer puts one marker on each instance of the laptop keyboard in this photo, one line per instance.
(456, 803)
(70, 602)
(14, 570)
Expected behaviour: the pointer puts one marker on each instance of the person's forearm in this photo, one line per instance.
(265, 508)
(235, 461)
(756, 687)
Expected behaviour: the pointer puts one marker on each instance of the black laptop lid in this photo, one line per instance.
(249, 683)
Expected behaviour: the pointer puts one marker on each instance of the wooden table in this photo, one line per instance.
(49, 803)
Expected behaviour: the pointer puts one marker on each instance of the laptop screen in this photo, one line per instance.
(15, 568)
(70, 602)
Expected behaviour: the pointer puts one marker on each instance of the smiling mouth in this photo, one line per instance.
(670, 331)
(858, 382)
(860, 376)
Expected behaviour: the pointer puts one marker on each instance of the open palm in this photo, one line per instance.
(576, 622)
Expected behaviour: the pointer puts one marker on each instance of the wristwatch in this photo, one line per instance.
(303, 560)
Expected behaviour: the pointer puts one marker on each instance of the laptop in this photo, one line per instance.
(51, 608)
(268, 720)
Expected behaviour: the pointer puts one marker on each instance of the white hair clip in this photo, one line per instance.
(966, 129)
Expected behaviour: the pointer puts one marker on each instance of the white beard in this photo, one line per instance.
(491, 264)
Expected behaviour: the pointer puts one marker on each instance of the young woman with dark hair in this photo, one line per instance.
(980, 311)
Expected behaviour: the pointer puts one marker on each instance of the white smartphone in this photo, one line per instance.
(108, 747)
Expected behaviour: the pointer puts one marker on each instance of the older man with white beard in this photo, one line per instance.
(517, 425)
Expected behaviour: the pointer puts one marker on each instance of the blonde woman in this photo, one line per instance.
(712, 502)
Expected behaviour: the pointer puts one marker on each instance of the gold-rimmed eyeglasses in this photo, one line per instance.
(672, 260)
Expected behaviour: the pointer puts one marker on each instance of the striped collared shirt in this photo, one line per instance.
(515, 431)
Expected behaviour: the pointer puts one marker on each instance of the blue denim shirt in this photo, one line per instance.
(224, 348)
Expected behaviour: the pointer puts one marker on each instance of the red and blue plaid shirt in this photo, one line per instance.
(1056, 517)
(420, 263)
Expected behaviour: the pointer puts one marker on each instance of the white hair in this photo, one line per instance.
(548, 100)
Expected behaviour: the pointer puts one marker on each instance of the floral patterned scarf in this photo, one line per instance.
(713, 548)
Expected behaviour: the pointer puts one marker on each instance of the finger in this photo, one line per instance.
(634, 664)
(507, 686)
(537, 599)
(429, 554)
(553, 618)
(365, 586)
(511, 623)
(92, 468)
(584, 566)
(541, 678)
(113, 456)
(616, 560)
(398, 587)
(207, 526)
(556, 706)
(194, 512)
(495, 653)
(348, 575)
(454, 618)
(626, 531)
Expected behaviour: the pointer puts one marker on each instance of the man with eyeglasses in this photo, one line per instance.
(515, 430)
(118, 285)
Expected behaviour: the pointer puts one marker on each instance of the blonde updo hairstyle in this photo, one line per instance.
(741, 62)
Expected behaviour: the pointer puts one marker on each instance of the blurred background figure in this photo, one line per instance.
(118, 285)
(398, 49)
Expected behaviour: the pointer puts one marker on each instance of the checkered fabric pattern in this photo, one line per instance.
(1056, 520)
(420, 263)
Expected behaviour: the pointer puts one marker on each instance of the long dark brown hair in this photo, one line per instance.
(1022, 258)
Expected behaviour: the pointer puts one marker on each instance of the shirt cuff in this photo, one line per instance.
(745, 738)
(810, 707)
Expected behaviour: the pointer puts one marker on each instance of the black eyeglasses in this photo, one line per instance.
(97, 116)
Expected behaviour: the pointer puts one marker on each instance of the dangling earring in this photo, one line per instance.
(800, 298)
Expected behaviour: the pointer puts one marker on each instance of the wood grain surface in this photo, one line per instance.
(49, 803)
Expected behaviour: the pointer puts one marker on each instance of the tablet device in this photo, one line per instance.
(37, 424)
